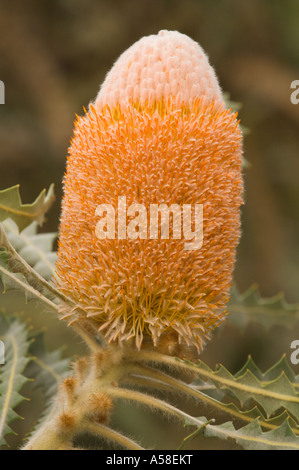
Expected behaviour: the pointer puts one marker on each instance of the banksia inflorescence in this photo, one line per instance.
(157, 133)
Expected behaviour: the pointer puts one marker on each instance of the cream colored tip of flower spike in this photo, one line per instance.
(166, 65)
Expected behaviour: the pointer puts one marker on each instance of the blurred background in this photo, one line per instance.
(54, 56)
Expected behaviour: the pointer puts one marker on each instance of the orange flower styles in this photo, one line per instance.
(157, 133)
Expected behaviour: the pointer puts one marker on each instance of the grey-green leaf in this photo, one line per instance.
(11, 206)
(35, 248)
(251, 437)
(15, 338)
(250, 307)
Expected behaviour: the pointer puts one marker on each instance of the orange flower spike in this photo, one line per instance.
(157, 133)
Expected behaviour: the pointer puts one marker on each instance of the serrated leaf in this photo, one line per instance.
(47, 368)
(17, 281)
(23, 215)
(271, 395)
(278, 420)
(251, 365)
(15, 337)
(10, 280)
(250, 307)
(247, 415)
(282, 366)
(206, 396)
(251, 437)
(35, 248)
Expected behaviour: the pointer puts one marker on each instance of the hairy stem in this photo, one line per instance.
(160, 380)
(111, 435)
(154, 403)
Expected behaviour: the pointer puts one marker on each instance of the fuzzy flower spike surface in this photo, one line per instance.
(157, 134)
